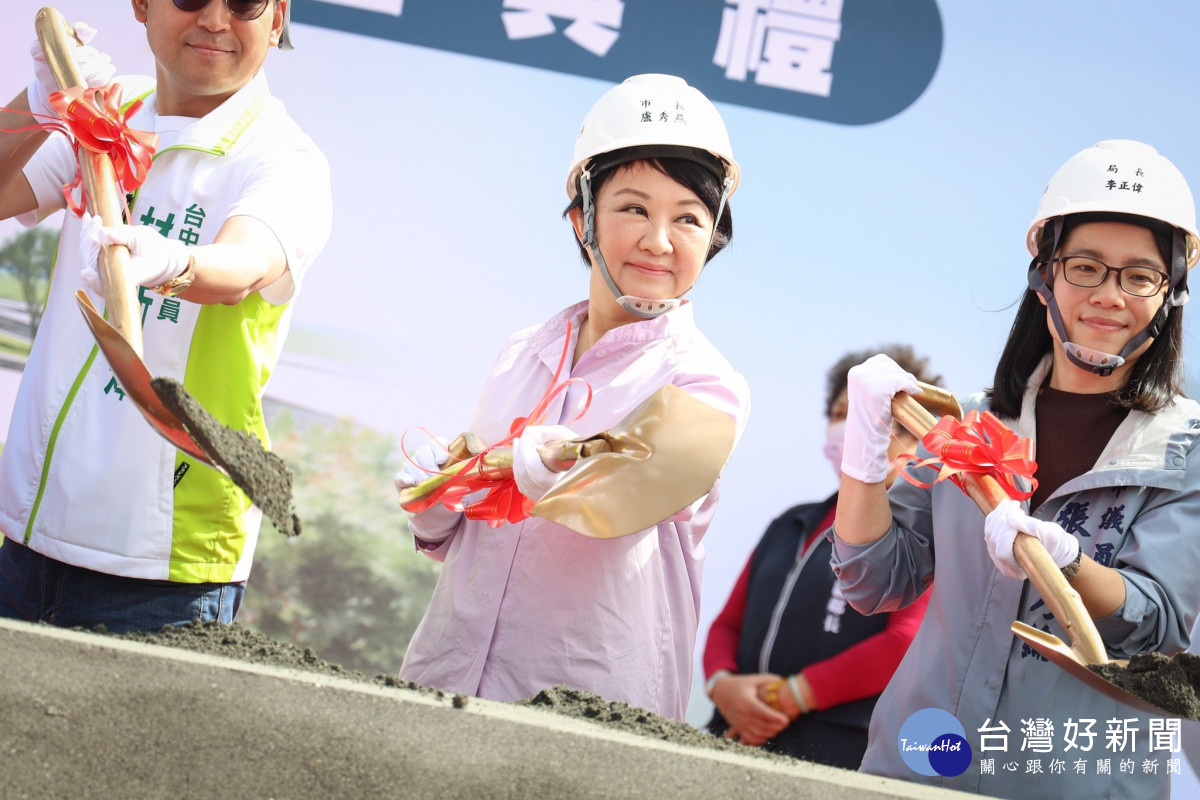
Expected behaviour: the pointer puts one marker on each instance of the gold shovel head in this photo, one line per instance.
(1068, 660)
(665, 455)
(135, 380)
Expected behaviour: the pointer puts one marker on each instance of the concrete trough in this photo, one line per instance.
(84, 715)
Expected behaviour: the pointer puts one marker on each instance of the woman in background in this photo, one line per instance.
(790, 666)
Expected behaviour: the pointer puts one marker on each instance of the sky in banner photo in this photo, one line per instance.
(449, 147)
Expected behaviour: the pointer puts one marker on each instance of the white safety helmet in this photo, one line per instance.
(285, 36)
(1119, 177)
(1123, 177)
(649, 116)
(652, 111)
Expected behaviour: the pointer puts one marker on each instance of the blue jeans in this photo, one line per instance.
(35, 588)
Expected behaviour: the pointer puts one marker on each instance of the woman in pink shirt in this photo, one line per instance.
(530, 605)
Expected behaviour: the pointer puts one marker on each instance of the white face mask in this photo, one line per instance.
(835, 442)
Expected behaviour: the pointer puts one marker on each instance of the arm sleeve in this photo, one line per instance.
(50, 169)
(432, 530)
(894, 570)
(725, 634)
(864, 669)
(1161, 593)
(290, 193)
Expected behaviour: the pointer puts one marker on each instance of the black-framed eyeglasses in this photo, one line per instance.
(1090, 273)
(242, 9)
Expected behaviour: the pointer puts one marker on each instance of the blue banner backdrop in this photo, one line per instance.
(852, 62)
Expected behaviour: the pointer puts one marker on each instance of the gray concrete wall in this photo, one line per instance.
(85, 716)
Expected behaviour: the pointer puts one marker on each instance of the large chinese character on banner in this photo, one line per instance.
(852, 62)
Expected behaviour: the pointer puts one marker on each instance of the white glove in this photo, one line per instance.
(421, 463)
(870, 387)
(89, 252)
(534, 478)
(1000, 529)
(153, 258)
(95, 66)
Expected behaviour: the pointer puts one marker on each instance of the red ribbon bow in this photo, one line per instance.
(503, 501)
(981, 444)
(92, 118)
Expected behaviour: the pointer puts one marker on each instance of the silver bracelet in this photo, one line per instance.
(795, 687)
(712, 681)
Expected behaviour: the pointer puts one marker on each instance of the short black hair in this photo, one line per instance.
(702, 179)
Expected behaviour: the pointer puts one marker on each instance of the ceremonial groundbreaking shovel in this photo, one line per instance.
(1063, 601)
(135, 379)
(263, 476)
(666, 454)
(119, 336)
(57, 38)
(240, 456)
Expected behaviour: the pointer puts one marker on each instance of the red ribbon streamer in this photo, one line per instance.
(978, 444)
(503, 501)
(92, 118)
(95, 121)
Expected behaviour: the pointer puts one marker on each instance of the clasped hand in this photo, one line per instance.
(870, 387)
(95, 67)
(751, 721)
(422, 463)
(153, 258)
(532, 475)
(1006, 520)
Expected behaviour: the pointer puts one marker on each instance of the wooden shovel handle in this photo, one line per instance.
(497, 463)
(1029, 552)
(121, 306)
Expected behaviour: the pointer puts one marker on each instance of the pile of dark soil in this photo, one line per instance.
(627, 718)
(237, 642)
(1168, 682)
(240, 643)
(261, 474)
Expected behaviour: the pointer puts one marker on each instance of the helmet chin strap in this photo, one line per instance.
(1086, 358)
(643, 307)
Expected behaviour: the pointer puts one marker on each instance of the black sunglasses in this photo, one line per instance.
(242, 9)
